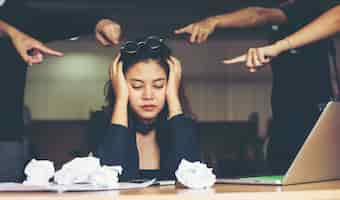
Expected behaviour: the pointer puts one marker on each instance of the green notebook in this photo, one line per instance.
(264, 178)
(270, 180)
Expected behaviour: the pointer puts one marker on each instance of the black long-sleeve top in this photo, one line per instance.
(176, 139)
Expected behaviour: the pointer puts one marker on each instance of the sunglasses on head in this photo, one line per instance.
(153, 43)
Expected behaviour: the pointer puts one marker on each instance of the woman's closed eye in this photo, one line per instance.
(158, 85)
(137, 86)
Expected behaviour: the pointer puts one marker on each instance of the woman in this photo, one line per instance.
(151, 129)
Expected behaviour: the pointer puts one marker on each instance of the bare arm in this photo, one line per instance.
(323, 27)
(5, 28)
(247, 17)
(119, 85)
(250, 17)
(25, 43)
(173, 87)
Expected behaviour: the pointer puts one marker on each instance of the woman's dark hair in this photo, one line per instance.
(144, 54)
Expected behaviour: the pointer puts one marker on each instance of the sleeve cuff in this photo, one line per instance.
(118, 126)
(179, 121)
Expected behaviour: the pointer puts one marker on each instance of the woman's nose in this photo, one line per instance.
(148, 93)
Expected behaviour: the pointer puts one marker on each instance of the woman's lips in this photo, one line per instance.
(148, 107)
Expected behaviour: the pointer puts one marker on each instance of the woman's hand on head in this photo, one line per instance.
(173, 86)
(118, 81)
(175, 76)
(108, 32)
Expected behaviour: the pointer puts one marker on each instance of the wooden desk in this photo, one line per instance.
(326, 190)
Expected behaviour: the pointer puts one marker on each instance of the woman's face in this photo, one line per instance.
(147, 83)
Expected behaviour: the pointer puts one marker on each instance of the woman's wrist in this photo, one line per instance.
(175, 107)
(121, 104)
(119, 114)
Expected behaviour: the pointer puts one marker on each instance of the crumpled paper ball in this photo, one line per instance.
(87, 170)
(39, 172)
(195, 175)
(106, 176)
(77, 170)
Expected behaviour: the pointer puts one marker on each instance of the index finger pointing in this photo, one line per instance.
(186, 29)
(238, 59)
(47, 50)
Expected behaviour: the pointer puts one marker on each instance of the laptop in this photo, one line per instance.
(317, 160)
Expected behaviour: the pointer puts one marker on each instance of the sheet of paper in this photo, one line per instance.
(19, 187)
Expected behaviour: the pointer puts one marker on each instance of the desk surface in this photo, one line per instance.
(325, 190)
